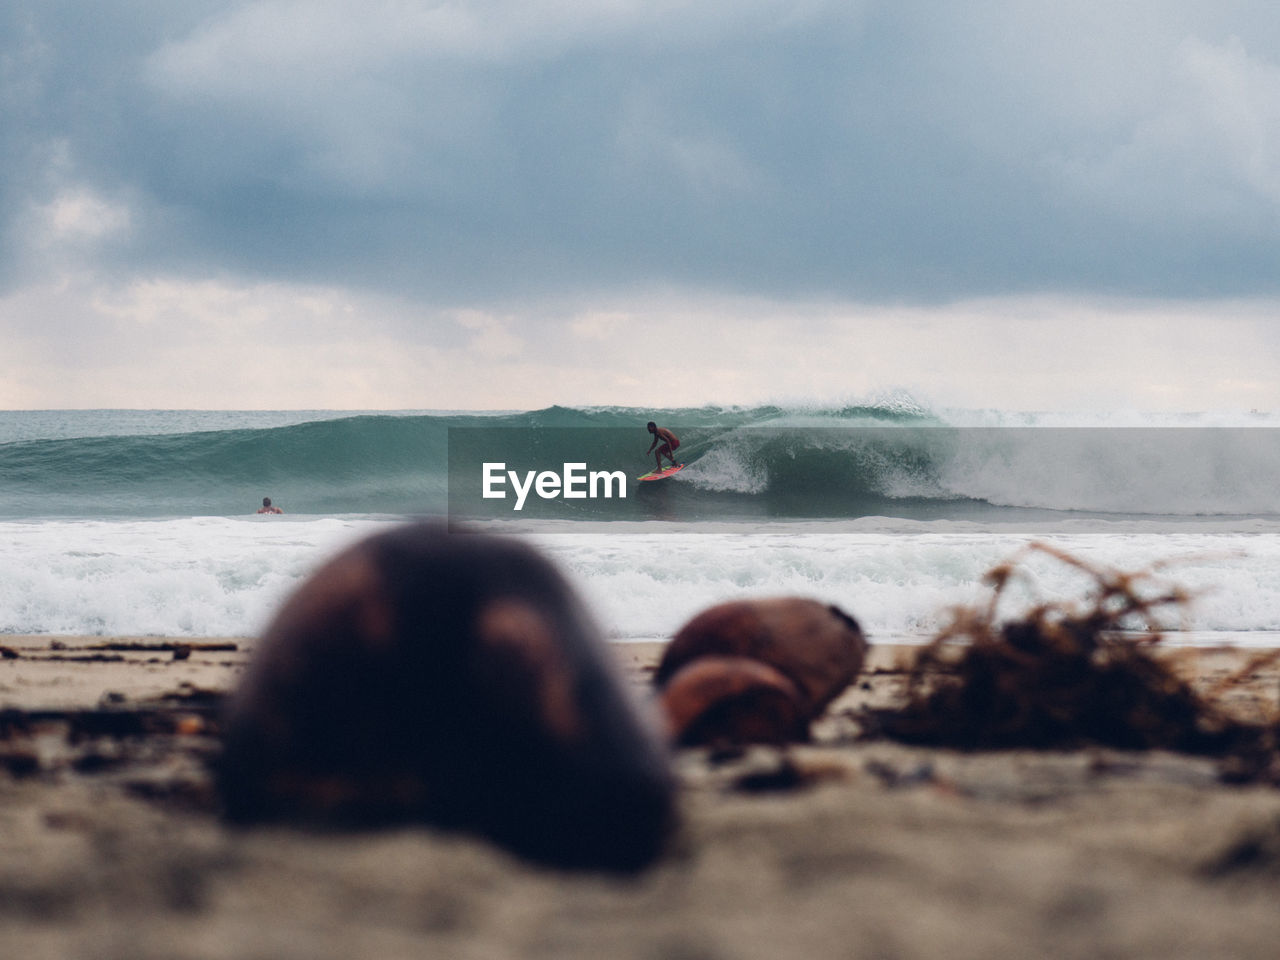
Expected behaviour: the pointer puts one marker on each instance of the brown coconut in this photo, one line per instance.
(452, 679)
(759, 670)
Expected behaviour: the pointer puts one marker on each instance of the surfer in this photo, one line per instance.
(669, 443)
(267, 507)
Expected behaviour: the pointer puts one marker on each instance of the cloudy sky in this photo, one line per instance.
(513, 203)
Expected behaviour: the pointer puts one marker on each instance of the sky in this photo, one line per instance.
(508, 204)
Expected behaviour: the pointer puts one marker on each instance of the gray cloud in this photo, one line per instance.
(502, 149)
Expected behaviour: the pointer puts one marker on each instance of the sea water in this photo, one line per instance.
(144, 523)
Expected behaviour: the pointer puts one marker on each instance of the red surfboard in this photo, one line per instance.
(662, 474)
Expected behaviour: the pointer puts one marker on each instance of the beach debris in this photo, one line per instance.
(783, 776)
(763, 768)
(167, 738)
(757, 671)
(21, 759)
(1253, 852)
(894, 777)
(450, 678)
(166, 646)
(1066, 675)
(788, 772)
(169, 714)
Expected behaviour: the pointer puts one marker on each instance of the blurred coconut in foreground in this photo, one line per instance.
(452, 679)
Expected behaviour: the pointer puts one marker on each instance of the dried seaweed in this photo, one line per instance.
(1066, 675)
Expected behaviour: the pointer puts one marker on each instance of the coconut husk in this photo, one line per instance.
(1070, 674)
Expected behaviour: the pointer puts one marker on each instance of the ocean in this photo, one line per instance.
(143, 523)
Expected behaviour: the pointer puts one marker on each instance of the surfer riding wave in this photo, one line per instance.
(670, 442)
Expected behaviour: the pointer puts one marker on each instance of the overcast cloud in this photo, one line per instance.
(514, 202)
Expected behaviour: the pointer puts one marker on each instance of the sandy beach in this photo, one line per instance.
(111, 847)
(339, 342)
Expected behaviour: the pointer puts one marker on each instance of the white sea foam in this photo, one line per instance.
(201, 577)
(905, 585)
(205, 577)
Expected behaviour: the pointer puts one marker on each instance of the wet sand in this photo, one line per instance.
(110, 846)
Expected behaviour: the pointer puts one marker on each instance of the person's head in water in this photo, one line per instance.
(651, 426)
(266, 501)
